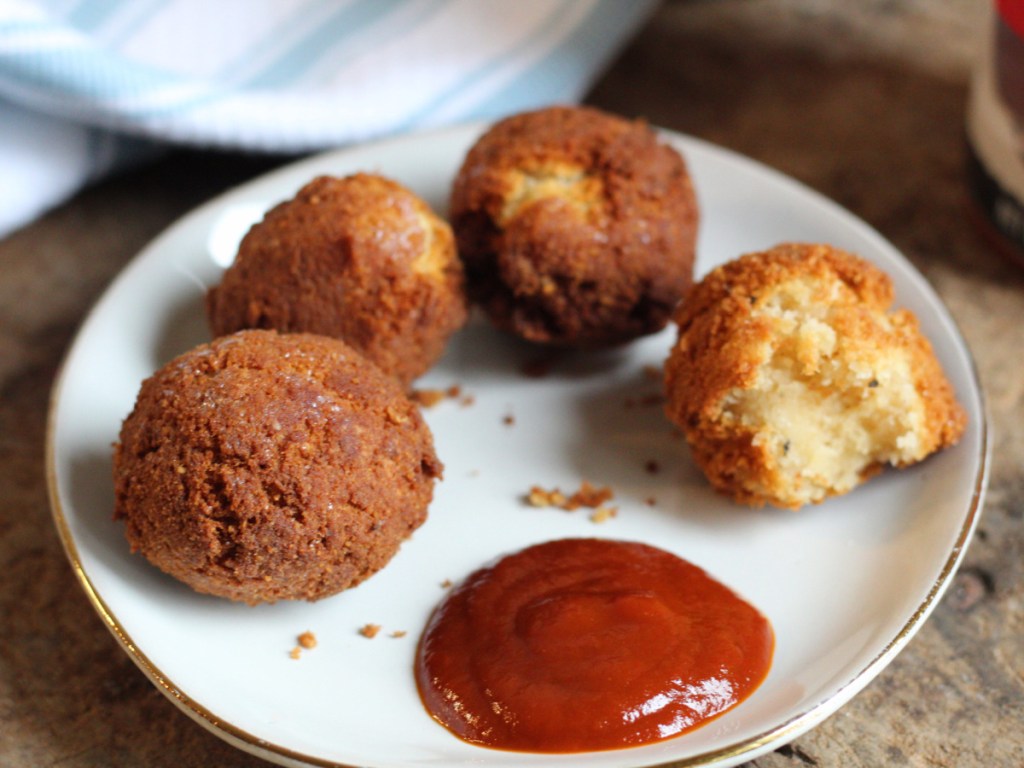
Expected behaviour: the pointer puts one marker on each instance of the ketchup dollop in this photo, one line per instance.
(588, 644)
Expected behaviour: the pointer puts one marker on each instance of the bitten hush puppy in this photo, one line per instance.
(359, 258)
(576, 227)
(793, 381)
(264, 467)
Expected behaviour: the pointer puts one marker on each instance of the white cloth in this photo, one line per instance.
(85, 84)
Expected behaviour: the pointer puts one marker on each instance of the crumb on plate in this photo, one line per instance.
(588, 495)
(603, 513)
(369, 630)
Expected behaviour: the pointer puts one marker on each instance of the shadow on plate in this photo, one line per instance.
(625, 441)
(487, 354)
(90, 513)
(184, 328)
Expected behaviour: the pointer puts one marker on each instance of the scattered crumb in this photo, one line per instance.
(508, 420)
(428, 398)
(652, 466)
(446, 584)
(603, 513)
(539, 497)
(369, 630)
(650, 501)
(306, 641)
(398, 633)
(588, 495)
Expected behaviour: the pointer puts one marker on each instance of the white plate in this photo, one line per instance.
(845, 584)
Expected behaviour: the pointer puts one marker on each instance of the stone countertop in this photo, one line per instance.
(862, 101)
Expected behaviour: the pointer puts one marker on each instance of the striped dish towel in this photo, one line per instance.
(86, 85)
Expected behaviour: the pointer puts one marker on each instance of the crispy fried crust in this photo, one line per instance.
(359, 258)
(264, 467)
(793, 381)
(576, 227)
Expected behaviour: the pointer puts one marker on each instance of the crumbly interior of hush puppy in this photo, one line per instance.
(793, 380)
(562, 181)
(434, 258)
(832, 401)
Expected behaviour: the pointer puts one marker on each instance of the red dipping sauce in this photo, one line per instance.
(588, 644)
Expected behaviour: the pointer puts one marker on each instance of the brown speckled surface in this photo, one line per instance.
(862, 101)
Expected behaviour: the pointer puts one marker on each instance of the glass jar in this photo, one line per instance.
(995, 129)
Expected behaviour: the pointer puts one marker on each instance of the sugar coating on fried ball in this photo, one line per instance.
(359, 258)
(265, 466)
(576, 227)
(793, 380)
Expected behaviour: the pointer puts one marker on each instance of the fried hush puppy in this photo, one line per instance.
(576, 227)
(265, 466)
(793, 381)
(359, 258)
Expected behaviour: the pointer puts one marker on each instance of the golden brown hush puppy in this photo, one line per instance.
(266, 466)
(793, 381)
(576, 227)
(359, 258)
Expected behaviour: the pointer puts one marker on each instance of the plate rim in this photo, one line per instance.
(748, 748)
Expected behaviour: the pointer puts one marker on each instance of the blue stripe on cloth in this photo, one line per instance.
(417, 118)
(61, 8)
(241, 67)
(570, 67)
(390, 28)
(347, 22)
(12, 29)
(90, 14)
(122, 19)
(106, 82)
